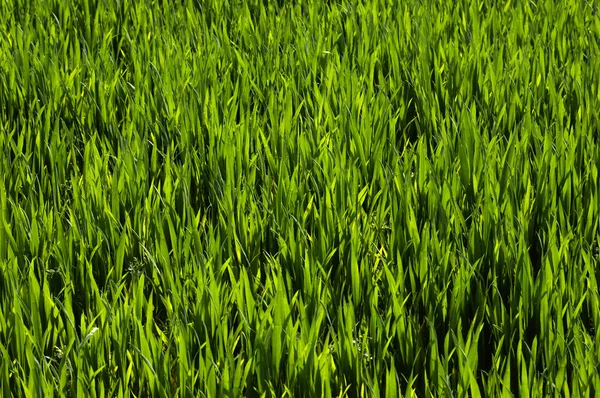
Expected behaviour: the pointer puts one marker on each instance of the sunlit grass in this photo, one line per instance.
(371, 198)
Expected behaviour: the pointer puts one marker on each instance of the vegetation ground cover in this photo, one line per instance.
(341, 198)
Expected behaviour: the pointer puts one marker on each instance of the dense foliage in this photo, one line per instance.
(343, 198)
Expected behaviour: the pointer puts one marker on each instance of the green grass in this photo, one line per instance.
(368, 198)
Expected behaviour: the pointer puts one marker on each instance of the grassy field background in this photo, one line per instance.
(341, 198)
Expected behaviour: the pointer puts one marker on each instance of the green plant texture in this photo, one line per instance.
(248, 198)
